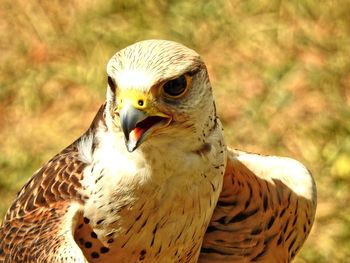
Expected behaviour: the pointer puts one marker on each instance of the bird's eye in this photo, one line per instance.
(111, 84)
(175, 88)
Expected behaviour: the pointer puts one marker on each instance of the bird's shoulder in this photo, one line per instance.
(57, 180)
(288, 171)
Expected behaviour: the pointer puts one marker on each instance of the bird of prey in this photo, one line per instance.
(152, 180)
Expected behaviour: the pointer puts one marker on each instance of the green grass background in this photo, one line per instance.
(280, 72)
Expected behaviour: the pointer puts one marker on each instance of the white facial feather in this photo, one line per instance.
(136, 79)
(160, 59)
(85, 148)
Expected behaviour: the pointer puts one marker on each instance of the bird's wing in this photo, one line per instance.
(39, 225)
(264, 213)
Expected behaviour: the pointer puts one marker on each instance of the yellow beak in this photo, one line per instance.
(139, 118)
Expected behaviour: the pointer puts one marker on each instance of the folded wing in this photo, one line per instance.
(40, 225)
(264, 213)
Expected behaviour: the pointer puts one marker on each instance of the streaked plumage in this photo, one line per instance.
(152, 180)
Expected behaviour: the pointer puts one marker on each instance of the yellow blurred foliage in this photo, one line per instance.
(341, 167)
(280, 72)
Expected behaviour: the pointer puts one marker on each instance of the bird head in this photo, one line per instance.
(158, 87)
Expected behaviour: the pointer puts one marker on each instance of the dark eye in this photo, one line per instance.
(176, 87)
(111, 84)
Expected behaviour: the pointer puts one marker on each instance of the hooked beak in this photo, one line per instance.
(137, 125)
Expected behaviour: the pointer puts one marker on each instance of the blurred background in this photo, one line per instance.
(280, 72)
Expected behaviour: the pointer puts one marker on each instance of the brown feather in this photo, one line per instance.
(256, 219)
(30, 230)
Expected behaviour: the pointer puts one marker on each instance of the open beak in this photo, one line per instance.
(138, 125)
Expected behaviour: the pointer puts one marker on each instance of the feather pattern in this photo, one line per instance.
(264, 213)
(44, 214)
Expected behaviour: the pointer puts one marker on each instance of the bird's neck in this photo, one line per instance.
(148, 185)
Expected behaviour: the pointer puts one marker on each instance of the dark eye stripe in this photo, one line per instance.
(111, 84)
(175, 87)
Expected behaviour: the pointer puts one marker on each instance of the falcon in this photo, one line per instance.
(152, 180)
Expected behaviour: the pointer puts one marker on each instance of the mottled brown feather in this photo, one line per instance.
(31, 230)
(40, 210)
(256, 220)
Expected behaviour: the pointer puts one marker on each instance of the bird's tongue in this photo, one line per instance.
(137, 135)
